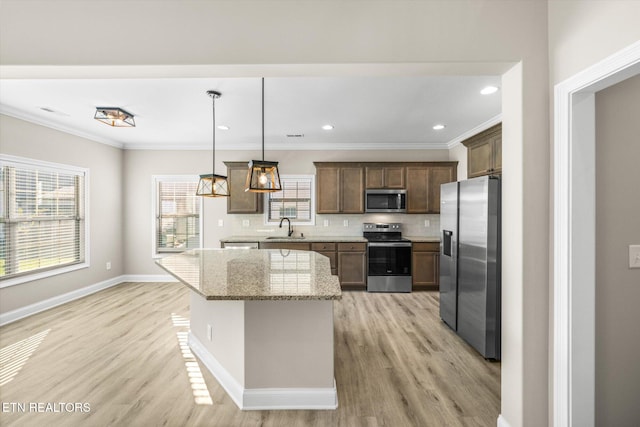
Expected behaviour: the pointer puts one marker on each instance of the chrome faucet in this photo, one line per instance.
(290, 230)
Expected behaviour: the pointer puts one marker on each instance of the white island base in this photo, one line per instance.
(267, 354)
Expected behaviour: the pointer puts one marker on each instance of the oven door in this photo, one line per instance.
(389, 259)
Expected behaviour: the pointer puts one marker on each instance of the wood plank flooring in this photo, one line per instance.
(118, 351)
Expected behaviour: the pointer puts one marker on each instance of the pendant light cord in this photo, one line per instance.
(263, 119)
(213, 103)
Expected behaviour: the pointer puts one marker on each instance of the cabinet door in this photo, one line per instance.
(425, 270)
(352, 269)
(417, 189)
(374, 176)
(479, 159)
(496, 143)
(327, 190)
(384, 177)
(327, 249)
(352, 190)
(438, 176)
(394, 177)
(240, 201)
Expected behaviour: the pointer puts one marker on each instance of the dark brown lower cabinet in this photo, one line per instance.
(352, 265)
(328, 250)
(426, 265)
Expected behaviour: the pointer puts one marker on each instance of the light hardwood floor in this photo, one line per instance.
(118, 350)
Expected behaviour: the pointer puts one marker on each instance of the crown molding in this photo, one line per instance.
(476, 130)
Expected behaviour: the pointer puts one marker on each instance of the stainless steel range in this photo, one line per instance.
(389, 265)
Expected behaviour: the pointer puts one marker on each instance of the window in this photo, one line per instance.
(42, 219)
(295, 201)
(177, 214)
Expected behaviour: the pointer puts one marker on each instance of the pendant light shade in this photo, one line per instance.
(263, 175)
(212, 185)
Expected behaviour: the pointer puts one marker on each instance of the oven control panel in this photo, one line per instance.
(380, 227)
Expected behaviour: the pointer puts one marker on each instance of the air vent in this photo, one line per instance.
(295, 135)
(51, 110)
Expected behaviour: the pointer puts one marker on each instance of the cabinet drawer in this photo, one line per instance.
(426, 247)
(352, 247)
(323, 247)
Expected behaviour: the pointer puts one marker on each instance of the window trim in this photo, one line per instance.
(154, 205)
(44, 165)
(312, 205)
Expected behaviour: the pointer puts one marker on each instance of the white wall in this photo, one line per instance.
(20, 138)
(617, 227)
(340, 38)
(582, 33)
(459, 154)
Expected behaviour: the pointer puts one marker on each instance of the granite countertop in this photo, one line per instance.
(314, 239)
(227, 274)
(426, 239)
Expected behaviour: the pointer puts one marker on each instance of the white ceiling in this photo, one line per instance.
(176, 113)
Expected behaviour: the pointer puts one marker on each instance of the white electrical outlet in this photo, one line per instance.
(245, 223)
(108, 265)
(634, 256)
(427, 223)
(210, 332)
(220, 223)
(345, 222)
(326, 222)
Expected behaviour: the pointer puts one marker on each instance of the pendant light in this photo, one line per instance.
(263, 175)
(212, 185)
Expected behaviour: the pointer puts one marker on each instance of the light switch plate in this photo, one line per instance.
(220, 223)
(427, 223)
(634, 256)
(345, 222)
(326, 222)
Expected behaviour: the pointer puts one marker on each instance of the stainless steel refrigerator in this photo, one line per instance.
(470, 285)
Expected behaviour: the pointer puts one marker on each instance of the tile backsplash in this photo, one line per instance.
(336, 225)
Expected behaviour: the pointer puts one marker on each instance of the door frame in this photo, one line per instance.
(574, 235)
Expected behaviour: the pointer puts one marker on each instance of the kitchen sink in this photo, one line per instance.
(285, 238)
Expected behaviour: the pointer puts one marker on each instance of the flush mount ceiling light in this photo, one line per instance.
(438, 127)
(114, 116)
(263, 175)
(212, 185)
(489, 90)
(327, 127)
(223, 127)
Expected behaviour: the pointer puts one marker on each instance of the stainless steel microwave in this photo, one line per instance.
(386, 201)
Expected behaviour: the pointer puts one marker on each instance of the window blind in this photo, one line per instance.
(177, 216)
(42, 218)
(294, 201)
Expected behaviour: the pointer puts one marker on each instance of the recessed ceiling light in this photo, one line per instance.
(489, 90)
(223, 127)
(439, 127)
(327, 127)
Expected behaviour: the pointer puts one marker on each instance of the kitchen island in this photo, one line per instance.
(262, 323)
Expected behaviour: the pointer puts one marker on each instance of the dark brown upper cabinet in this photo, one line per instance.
(380, 176)
(484, 152)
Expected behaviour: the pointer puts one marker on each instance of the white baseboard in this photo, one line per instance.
(264, 398)
(29, 310)
(502, 421)
(233, 388)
